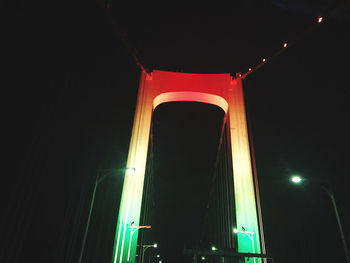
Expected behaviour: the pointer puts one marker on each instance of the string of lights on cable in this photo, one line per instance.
(284, 47)
(263, 61)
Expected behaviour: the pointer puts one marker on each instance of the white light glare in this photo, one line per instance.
(130, 170)
(296, 179)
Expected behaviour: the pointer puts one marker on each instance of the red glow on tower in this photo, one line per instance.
(285, 45)
(319, 19)
(263, 60)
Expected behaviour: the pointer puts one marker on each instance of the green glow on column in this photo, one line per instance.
(128, 213)
(249, 235)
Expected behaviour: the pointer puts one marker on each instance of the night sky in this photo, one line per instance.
(70, 94)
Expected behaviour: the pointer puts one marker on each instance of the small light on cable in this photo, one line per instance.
(285, 45)
(249, 69)
(264, 60)
(319, 19)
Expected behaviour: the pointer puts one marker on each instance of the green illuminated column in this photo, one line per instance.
(131, 200)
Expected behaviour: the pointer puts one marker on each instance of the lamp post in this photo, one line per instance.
(248, 234)
(298, 179)
(145, 247)
(98, 180)
(132, 232)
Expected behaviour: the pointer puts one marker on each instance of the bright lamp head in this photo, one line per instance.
(130, 171)
(296, 179)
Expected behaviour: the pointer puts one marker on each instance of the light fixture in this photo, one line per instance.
(296, 179)
(130, 170)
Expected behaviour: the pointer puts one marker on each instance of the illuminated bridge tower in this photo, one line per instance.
(217, 89)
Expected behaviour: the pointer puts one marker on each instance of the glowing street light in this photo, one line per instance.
(297, 179)
(130, 171)
(248, 234)
(145, 247)
(154, 256)
(213, 248)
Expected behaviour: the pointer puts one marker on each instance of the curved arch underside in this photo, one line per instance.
(191, 96)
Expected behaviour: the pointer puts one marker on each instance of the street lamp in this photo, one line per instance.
(132, 232)
(99, 179)
(145, 247)
(248, 234)
(331, 196)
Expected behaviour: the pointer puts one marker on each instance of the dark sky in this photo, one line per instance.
(70, 92)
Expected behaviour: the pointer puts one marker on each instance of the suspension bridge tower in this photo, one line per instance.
(221, 90)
